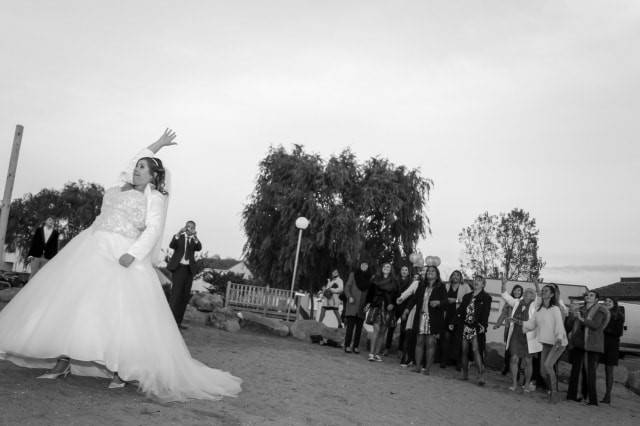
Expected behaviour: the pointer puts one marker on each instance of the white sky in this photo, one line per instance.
(530, 104)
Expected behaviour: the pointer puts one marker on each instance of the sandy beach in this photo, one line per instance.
(289, 382)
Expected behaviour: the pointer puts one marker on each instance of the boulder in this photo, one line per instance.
(494, 356)
(257, 322)
(195, 316)
(232, 325)
(206, 302)
(223, 319)
(8, 293)
(305, 329)
(335, 335)
(633, 381)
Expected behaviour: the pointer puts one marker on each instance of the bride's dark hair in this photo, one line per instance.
(157, 171)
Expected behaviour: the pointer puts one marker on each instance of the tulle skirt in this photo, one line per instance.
(84, 305)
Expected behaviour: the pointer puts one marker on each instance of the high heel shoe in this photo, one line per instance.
(51, 376)
(116, 382)
(116, 385)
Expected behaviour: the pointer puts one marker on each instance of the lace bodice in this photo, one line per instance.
(122, 212)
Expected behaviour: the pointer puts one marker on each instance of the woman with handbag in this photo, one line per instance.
(429, 321)
(331, 296)
(381, 297)
(473, 316)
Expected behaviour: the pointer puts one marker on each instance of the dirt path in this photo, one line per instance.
(287, 382)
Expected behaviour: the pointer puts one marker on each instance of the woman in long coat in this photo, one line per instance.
(612, 333)
(356, 291)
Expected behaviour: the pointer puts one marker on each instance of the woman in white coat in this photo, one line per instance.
(521, 346)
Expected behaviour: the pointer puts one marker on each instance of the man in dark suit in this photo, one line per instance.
(182, 265)
(44, 245)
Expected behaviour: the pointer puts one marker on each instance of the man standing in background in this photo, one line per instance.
(44, 245)
(182, 266)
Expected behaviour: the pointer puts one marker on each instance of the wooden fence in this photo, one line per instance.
(270, 302)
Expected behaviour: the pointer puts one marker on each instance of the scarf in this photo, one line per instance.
(363, 279)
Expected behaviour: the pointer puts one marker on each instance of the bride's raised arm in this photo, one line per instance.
(126, 173)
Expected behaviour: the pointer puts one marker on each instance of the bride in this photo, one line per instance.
(98, 309)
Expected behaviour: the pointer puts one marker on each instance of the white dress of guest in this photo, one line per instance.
(533, 345)
(336, 286)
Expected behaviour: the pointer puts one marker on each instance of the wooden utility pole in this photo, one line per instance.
(8, 189)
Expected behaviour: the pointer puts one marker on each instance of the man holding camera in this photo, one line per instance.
(182, 265)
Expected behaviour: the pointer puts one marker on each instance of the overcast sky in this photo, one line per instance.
(530, 104)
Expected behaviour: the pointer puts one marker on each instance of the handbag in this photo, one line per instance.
(372, 315)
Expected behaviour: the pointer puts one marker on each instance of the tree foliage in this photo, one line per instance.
(506, 243)
(375, 209)
(74, 208)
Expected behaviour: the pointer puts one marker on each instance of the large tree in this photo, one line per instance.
(506, 243)
(374, 209)
(74, 208)
(480, 252)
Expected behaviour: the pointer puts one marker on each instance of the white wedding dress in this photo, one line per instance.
(107, 318)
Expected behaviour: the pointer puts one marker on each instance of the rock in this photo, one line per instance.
(232, 325)
(257, 322)
(633, 381)
(206, 302)
(8, 293)
(304, 329)
(195, 316)
(223, 319)
(494, 356)
(335, 335)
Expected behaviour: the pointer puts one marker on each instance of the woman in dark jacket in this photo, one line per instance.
(451, 337)
(404, 281)
(473, 317)
(382, 300)
(356, 292)
(612, 333)
(428, 321)
(587, 338)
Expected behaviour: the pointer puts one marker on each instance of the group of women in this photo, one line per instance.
(449, 320)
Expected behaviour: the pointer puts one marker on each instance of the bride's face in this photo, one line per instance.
(142, 174)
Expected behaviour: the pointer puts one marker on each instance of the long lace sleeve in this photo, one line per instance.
(154, 221)
(126, 173)
(511, 301)
(409, 291)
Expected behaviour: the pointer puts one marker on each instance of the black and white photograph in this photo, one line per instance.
(296, 212)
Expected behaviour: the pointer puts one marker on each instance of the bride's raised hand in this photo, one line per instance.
(167, 139)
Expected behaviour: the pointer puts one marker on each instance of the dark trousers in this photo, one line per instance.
(577, 357)
(182, 279)
(408, 347)
(449, 348)
(354, 331)
(389, 341)
(403, 334)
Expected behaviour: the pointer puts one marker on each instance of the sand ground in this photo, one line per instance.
(288, 382)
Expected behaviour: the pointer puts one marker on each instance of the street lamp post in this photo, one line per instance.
(302, 223)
